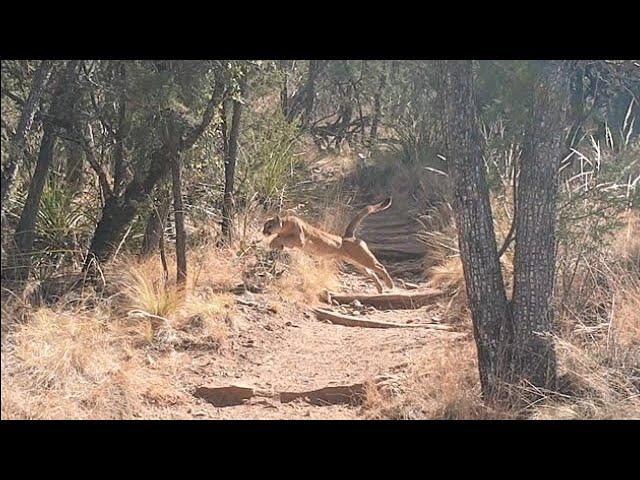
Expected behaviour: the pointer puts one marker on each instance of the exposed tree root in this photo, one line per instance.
(390, 301)
(349, 321)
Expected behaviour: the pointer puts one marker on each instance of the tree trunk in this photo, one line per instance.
(25, 231)
(476, 237)
(155, 225)
(377, 105)
(534, 258)
(121, 134)
(285, 66)
(16, 146)
(178, 210)
(75, 164)
(231, 152)
(120, 210)
(310, 91)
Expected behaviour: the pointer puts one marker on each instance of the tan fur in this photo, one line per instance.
(293, 232)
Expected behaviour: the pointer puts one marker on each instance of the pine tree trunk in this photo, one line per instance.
(534, 258)
(476, 237)
(16, 146)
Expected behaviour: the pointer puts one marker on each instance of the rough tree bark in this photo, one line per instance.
(476, 237)
(534, 259)
(25, 231)
(514, 346)
(16, 146)
(231, 152)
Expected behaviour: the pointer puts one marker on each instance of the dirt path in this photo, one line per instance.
(293, 351)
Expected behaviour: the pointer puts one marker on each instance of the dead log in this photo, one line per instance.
(390, 301)
(349, 321)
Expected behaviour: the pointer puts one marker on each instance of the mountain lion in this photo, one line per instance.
(293, 232)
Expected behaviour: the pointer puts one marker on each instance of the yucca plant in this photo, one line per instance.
(63, 225)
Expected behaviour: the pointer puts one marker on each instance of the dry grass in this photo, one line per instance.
(77, 364)
(442, 384)
(118, 356)
(306, 276)
(443, 266)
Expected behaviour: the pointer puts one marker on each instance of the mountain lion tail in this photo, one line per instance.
(355, 223)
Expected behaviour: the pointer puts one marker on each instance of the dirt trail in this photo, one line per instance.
(293, 351)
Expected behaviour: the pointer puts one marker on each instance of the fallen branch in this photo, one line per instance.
(390, 301)
(349, 321)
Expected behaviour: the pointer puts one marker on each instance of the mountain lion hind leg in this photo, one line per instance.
(357, 251)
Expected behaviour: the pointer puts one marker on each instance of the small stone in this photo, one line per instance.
(356, 304)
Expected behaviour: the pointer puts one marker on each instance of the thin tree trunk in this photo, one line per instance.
(534, 259)
(476, 237)
(178, 210)
(230, 166)
(25, 231)
(119, 163)
(285, 65)
(75, 164)
(155, 225)
(310, 91)
(16, 146)
(377, 104)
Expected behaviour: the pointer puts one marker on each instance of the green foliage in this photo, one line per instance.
(63, 225)
(268, 156)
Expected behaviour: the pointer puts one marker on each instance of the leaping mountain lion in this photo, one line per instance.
(293, 232)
